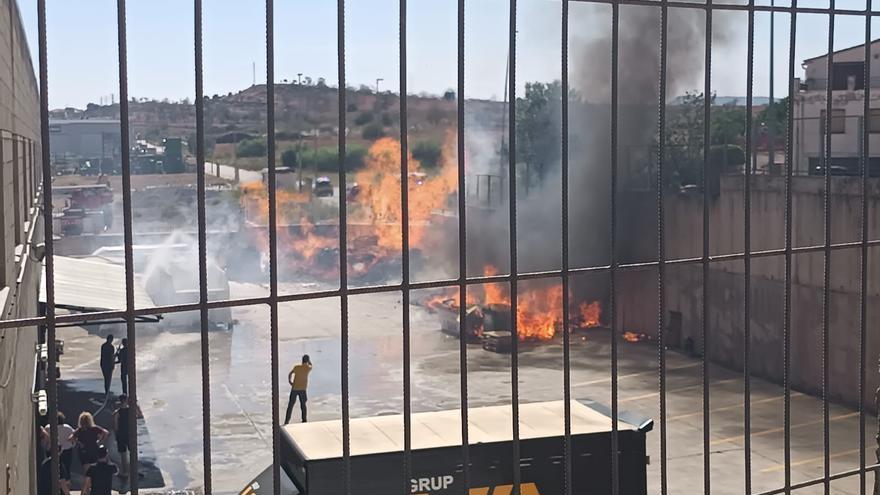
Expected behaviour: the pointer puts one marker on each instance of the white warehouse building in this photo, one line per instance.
(847, 112)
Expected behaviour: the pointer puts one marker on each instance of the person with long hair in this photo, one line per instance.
(88, 437)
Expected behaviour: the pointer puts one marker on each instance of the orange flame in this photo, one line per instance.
(375, 216)
(538, 311)
(634, 337)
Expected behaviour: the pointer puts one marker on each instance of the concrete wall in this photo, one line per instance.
(726, 281)
(20, 227)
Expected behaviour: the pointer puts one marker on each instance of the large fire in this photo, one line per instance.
(374, 213)
(538, 310)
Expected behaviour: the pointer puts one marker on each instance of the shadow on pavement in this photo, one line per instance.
(76, 396)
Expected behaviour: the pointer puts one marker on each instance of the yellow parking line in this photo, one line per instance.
(732, 406)
(655, 394)
(632, 375)
(780, 467)
(777, 430)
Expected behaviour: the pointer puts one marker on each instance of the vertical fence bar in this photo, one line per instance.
(747, 259)
(405, 275)
(612, 273)
(566, 304)
(52, 393)
(661, 254)
(707, 100)
(273, 239)
(203, 249)
(343, 251)
(826, 277)
(514, 278)
(462, 258)
(786, 311)
(863, 248)
(129, 240)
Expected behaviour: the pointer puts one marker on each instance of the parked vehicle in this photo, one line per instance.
(323, 187)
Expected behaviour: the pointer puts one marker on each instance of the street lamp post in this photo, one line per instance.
(378, 80)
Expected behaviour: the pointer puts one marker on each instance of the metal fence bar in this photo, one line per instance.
(49, 315)
(826, 289)
(273, 240)
(566, 303)
(863, 253)
(704, 311)
(404, 258)
(514, 279)
(462, 258)
(661, 254)
(747, 260)
(612, 272)
(816, 481)
(786, 311)
(203, 249)
(128, 239)
(343, 252)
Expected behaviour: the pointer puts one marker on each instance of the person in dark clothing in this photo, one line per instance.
(122, 359)
(99, 478)
(120, 428)
(108, 358)
(44, 477)
(88, 437)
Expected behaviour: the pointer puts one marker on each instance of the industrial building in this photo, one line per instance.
(86, 139)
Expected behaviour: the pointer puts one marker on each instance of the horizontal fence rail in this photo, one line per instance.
(50, 320)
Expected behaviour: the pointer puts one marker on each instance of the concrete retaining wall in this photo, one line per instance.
(726, 315)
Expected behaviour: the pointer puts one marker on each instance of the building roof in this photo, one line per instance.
(92, 284)
(839, 51)
(384, 434)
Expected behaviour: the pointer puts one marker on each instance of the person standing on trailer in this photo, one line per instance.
(108, 362)
(299, 382)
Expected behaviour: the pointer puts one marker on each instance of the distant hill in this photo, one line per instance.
(300, 111)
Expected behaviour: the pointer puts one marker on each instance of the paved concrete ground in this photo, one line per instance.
(169, 386)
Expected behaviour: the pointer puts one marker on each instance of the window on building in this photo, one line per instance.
(838, 121)
(874, 120)
(848, 76)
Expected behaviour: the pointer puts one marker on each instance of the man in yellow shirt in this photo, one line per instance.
(299, 382)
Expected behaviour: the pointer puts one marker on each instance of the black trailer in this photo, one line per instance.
(312, 452)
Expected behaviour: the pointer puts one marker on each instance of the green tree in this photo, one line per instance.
(728, 125)
(537, 125)
(427, 153)
(775, 117)
(251, 147)
(289, 159)
(363, 118)
(372, 132)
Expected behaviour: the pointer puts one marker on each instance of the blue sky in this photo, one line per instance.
(82, 45)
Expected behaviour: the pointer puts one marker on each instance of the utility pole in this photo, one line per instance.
(771, 137)
(299, 77)
(254, 73)
(378, 80)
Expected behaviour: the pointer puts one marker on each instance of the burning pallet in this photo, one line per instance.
(497, 341)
